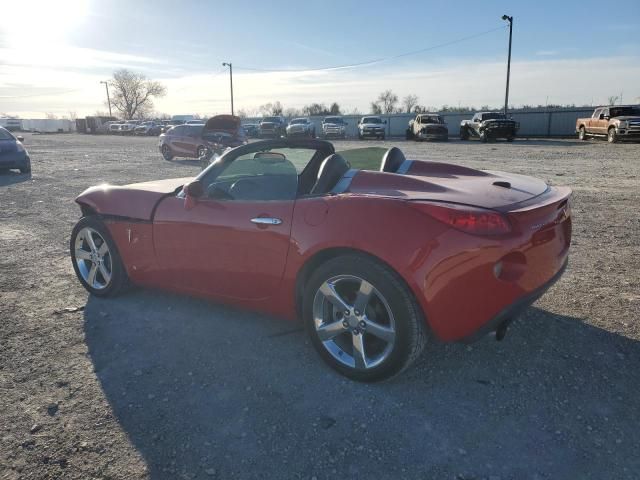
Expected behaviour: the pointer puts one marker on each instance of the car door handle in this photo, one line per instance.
(266, 221)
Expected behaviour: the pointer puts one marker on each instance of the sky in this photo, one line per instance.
(53, 54)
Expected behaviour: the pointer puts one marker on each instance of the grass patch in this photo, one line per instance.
(368, 158)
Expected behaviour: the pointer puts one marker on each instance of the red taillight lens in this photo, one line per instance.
(473, 220)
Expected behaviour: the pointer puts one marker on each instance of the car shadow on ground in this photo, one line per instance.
(10, 177)
(207, 391)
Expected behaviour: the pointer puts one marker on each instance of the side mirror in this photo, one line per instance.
(195, 189)
(20, 138)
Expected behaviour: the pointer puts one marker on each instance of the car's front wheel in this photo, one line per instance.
(95, 258)
(582, 134)
(612, 136)
(362, 319)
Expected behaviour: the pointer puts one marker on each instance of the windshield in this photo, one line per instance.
(333, 120)
(431, 119)
(493, 116)
(624, 111)
(5, 135)
(298, 121)
(271, 119)
(371, 120)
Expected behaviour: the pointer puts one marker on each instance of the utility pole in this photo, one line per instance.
(106, 85)
(225, 64)
(506, 95)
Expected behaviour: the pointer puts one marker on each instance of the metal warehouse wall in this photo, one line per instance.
(534, 122)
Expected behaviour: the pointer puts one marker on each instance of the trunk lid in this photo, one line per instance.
(451, 183)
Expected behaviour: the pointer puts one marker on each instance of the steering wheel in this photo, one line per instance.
(244, 185)
(219, 194)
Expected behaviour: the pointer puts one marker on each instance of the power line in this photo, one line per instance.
(375, 61)
(42, 94)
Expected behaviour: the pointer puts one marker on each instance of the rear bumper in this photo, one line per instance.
(14, 160)
(511, 312)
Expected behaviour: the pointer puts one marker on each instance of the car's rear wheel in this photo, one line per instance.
(362, 319)
(612, 136)
(582, 134)
(95, 258)
(464, 134)
(167, 154)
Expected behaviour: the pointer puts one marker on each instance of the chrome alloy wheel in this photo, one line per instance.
(93, 258)
(354, 322)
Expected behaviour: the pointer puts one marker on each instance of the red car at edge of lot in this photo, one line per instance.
(373, 262)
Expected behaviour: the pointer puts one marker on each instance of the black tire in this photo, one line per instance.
(582, 133)
(484, 138)
(410, 331)
(167, 154)
(510, 139)
(360, 137)
(408, 134)
(119, 280)
(612, 136)
(382, 137)
(464, 134)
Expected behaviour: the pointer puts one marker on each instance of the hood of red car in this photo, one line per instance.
(135, 200)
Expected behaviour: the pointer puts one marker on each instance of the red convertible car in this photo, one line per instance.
(373, 262)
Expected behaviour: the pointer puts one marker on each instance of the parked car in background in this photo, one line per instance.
(128, 127)
(334, 127)
(252, 129)
(289, 228)
(114, 127)
(196, 141)
(11, 124)
(371, 127)
(150, 128)
(616, 122)
(301, 127)
(104, 128)
(489, 126)
(13, 155)
(427, 126)
(273, 127)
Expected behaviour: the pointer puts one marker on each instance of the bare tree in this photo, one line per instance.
(50, 116)
(387, 101)
(375, 108)
(409, 102)
(72, 115)
(132, 93)
(334, 109)
(292, 112)
(613, 99)
(271, 109)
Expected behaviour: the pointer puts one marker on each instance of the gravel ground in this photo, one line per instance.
(152, 385)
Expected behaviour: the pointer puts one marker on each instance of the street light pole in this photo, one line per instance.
(506, 95)
(225, 64)
(106, 85)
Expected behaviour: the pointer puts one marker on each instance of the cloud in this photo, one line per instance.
(546, 53)
(477, 82)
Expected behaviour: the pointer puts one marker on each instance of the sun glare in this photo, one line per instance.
(40, 22)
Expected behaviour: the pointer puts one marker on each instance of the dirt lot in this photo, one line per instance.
(151, 385)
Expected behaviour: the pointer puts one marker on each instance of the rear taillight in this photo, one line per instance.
(473, 220)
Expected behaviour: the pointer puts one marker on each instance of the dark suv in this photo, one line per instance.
(273, 127)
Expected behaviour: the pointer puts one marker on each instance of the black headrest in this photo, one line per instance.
(392, 160)
(331, 171)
